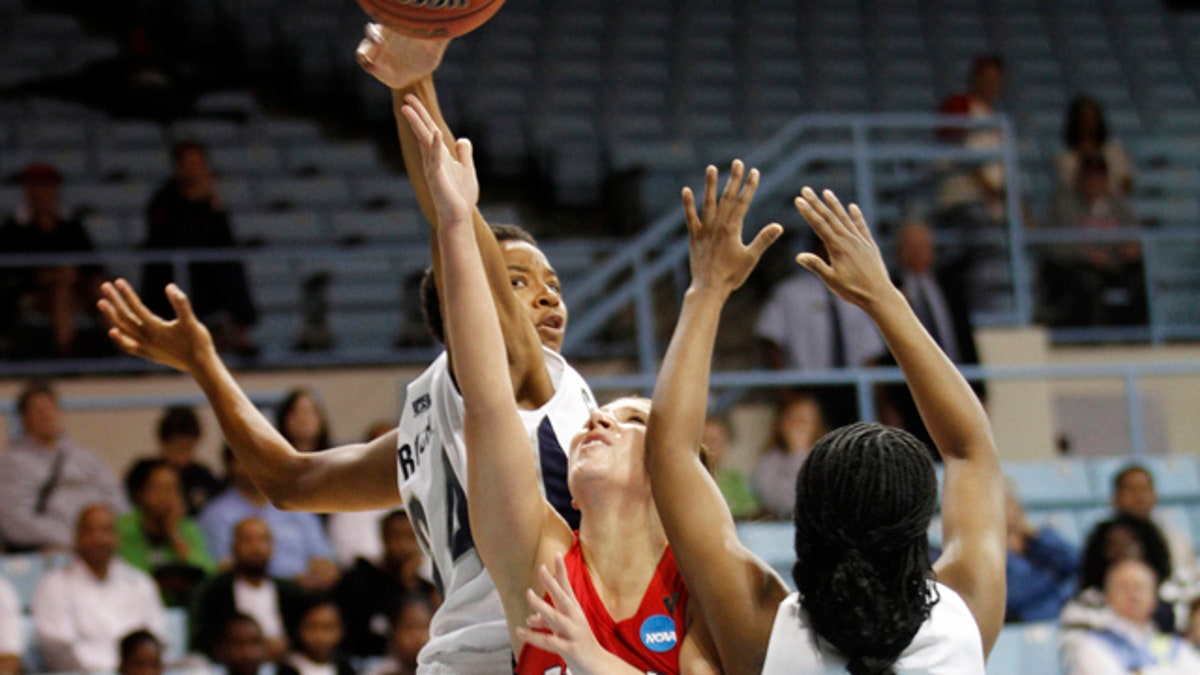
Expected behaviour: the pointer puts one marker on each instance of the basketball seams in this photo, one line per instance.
(407, 17)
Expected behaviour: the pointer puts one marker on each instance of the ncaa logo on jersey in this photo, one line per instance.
(658, 633)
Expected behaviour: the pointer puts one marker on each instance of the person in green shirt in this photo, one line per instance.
(158, 537)
(732, 482)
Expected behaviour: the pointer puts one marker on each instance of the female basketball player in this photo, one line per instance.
(868, 598)
(618, 563)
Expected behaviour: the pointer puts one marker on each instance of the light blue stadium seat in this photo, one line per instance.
(112, 198)
(383, 225)
(23, 571)
(1051, 484)
(774, 542)
(1005, 658)
(1176, 477)
(212, 133)
(1062, 521)
(382, 189)
(177, 630)
(246, 160)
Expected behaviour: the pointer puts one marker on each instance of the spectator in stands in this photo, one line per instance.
(302, 421)
(410, 631)
(246, 589)
(241, 648)
(1085, 133)
(81, 611)
(46, 479)
(804, 326)
(799, 422)
(1110, 542)
(141, 654)
(157, 537)
(1128, 641)
(315, 641)
(1133, 494)
(12, 642)
(187, 212)
(938, 296)
(1092, 284)
(302, 552)
(1041, 567)
(178, 435)
(369, 591)
(735, 488)
(972, 202)
(49, 311)
(355, 534)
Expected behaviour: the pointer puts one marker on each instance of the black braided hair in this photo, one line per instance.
(864, 500)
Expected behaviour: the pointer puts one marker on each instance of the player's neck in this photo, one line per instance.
(622, 543)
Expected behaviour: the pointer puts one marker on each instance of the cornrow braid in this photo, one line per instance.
(864, 500)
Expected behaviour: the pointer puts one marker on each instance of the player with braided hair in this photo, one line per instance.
(869, 601)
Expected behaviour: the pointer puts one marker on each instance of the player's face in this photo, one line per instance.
(536, 285)
(613, 441)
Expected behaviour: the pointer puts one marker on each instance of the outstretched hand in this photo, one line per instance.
(395, 59)
(570, 636)
(855, 270)
(180, 343)
(719, 259)
(451, 177)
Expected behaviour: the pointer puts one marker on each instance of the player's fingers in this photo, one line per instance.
(121, 302)
(426, 116)
(465, 153)
(835, 206)
(555, 620)
(124, 342)
(710, 193)
(835, 225)
(860, 223)
(814, 264)
(689, 211)
(559, 589)
(746, 195)
(763, 240)
(114, 317)
(732, 185)
(180, 303)
(536, 622)
(813, 217)
(544, 641)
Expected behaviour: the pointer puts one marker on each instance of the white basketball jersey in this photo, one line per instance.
(468, 634)
(948, 643)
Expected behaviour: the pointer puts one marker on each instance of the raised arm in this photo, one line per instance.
(737, 591)
(406, 66)
(348, 478)
(510, 519)
(973, 516)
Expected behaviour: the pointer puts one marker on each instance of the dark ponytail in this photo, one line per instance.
(864, 500)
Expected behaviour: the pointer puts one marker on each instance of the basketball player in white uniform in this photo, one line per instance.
(422, 461)
(865, 497)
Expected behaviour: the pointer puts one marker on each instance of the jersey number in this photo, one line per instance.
(458, 523)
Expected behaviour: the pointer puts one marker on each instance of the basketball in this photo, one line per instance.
(431, 19)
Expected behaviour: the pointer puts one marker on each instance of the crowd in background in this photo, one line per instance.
(259, 585)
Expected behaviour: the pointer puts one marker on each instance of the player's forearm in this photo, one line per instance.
(272, 463)
(948, 406)
(410, 148)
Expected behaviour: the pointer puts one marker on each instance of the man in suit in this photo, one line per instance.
(246, 589)
(940, 299)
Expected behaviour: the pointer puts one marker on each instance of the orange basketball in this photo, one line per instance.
(431, 19)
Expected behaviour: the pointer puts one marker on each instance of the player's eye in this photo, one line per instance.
(518, 282)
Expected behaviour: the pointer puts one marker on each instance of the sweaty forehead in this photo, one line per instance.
(523, 254)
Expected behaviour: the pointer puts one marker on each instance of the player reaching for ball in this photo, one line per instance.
(615, 582)
(868, 598)
(468, 633)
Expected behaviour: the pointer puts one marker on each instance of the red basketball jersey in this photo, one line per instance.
(648, 640)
